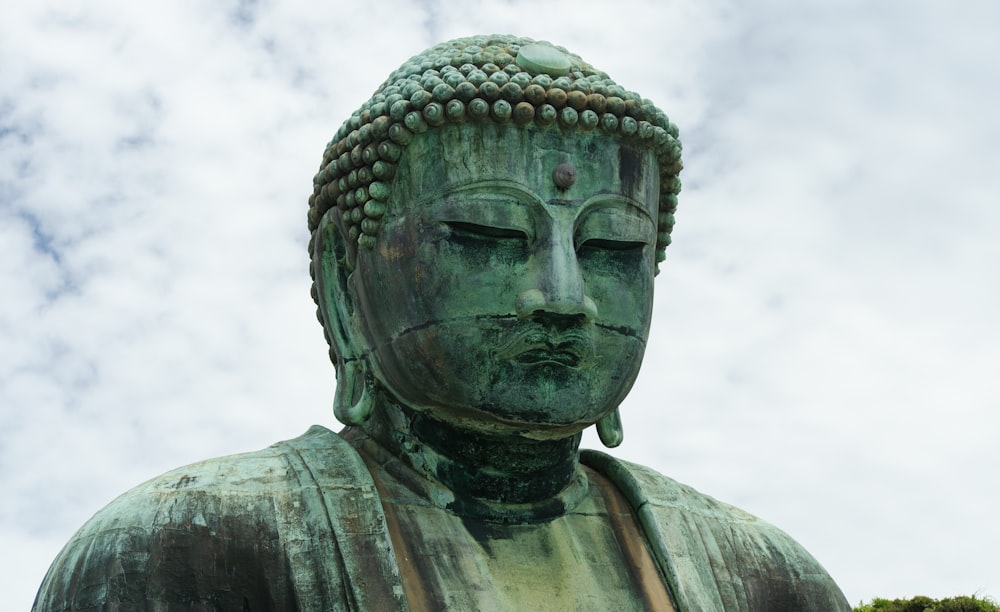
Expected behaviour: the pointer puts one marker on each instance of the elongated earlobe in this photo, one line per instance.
(609, 429)
(354, 398)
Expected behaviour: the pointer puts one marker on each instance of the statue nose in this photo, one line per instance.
(534, 301)
(558, 288)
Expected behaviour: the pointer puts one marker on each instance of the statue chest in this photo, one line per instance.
(591, 558)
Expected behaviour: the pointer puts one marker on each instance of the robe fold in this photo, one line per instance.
(300, 526)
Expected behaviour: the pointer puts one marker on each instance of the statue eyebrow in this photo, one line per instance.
(601, 198)
(487, 188)
(516, 193)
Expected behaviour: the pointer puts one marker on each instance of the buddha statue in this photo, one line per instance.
(485, 233)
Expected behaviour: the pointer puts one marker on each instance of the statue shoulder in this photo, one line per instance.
(715, 556)
(218, 532)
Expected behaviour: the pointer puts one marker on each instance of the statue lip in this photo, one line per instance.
(539, 346)
(548, 354)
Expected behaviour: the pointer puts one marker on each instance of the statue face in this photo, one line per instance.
(498, 299)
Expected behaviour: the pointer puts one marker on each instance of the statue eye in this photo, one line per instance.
(617, 258)
(489, 244)
(605, 244)
(464, 231)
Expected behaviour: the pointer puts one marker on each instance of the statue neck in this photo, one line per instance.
(504, 478)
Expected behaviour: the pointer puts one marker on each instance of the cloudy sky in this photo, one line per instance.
(825, 350)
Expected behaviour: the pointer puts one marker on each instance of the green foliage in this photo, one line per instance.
(926, 604)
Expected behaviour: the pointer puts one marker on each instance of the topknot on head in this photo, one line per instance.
(495, 78)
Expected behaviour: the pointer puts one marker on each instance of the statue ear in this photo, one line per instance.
(609, 428)
(333, 264)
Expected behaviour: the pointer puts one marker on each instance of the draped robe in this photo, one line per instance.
(300, 525)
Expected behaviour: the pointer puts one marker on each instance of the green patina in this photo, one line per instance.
(482, 79)
(485, 234)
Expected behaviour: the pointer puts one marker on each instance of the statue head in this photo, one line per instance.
(485, 232)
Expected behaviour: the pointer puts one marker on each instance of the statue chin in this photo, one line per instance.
(537, 424)
(535, 393)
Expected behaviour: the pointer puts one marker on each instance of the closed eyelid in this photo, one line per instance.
(483, 214)
(613, 245)
(490, 231)
(615, 226)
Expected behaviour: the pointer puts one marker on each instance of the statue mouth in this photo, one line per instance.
(548, 355)
(537, 346)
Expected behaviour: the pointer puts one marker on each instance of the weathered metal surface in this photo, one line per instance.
(301, 525)
(486, 230)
